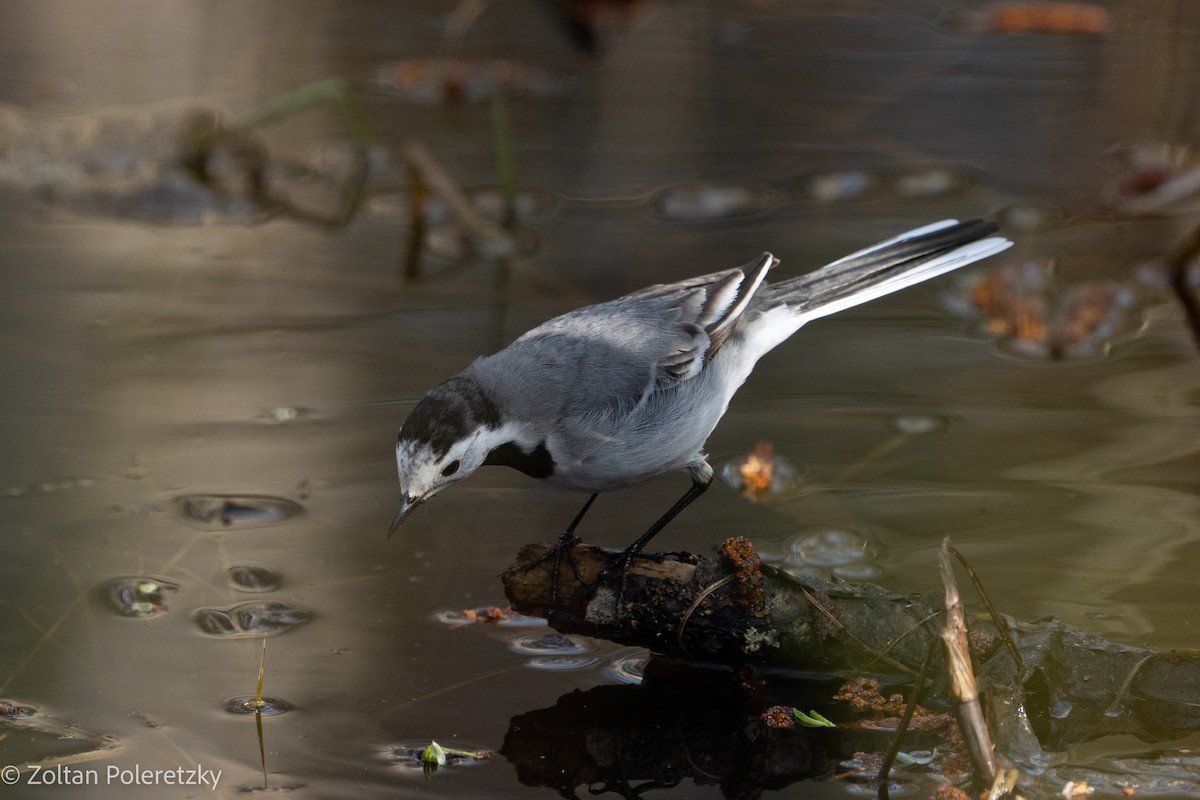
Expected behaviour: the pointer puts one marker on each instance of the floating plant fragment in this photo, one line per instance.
(493, 615)
(13, 711)
(1089, 315)
(812, 719)
(1020, 305)
(429, 757)
(139, 596)
(251, 619)
(433, 754)
(760, 474)
(214, 512)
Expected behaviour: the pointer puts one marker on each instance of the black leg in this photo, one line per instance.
(579, 517)
(625, 557)
(566, 541)
(697, 488)
(567, 537)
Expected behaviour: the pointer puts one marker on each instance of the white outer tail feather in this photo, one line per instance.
(774, 326)
(914, 233)
(947, 262)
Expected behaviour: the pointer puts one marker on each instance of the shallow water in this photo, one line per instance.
(167, 383)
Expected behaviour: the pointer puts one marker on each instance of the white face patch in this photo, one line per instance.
(423, 473)
(417, 468)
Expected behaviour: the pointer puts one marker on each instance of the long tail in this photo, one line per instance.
(879, 270)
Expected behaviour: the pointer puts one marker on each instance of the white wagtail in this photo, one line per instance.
(613, 394)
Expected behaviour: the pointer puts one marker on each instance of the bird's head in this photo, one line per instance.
(446, 438)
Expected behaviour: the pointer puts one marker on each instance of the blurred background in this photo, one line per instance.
(240, 240)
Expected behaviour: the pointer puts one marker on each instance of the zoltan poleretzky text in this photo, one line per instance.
(112, 774)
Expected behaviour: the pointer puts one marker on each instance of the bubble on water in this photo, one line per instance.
(629, 668)
(214, 512)
(281, 415)
(530, 205)
(453, 242)
(859, 185)
(837, 186)
(548, 644)
(254, 579)
(216, 622)
(554, 651)
(931, 182)
(138, 596)
(251, 619)
(1028, 217)
(858, 572)
(917, 424)
(55, 486)
(832, 547)
(705, 202)
(561, 663)
(268, 707)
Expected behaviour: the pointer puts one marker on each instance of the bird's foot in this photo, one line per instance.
(561, 549)
(623, 561)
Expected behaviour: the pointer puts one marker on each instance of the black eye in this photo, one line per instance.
(451, 468)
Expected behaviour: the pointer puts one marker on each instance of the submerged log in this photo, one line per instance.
(735, 611)
(732, 610)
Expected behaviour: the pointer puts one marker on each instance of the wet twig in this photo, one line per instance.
(962, 677)
(258, 707)
(902, 728)
(1194, 655)
(484, 235)
(1001, 628)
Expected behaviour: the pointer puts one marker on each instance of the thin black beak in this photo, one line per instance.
(407, 504)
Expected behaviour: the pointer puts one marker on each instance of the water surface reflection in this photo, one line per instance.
(274, 362)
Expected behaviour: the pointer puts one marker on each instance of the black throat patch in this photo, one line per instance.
(448, 413)
(538, 464)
